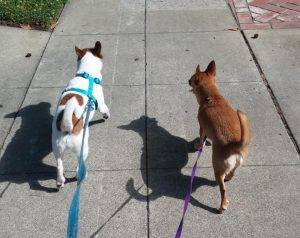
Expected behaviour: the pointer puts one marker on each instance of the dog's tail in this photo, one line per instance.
(245, 131)
(67, 117)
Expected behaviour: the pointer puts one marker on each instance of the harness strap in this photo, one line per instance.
(89, 92)
(90, 78)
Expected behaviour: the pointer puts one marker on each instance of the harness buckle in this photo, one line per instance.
(85, 75)
(97, 81)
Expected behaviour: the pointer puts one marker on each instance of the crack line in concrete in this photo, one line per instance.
(146, 126)
(152, 169)
(139, 33)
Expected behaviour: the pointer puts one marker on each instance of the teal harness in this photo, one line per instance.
(89, 92)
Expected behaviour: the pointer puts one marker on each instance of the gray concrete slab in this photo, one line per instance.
(189, 21)
(186, 5)
(94, 17)
(188, 16)
(28, 146)
(173, 126)
(123, 58)
(10, 100)
(277, 52)
(264, 202)
(172, 58)
(16, 69)
(31, 206)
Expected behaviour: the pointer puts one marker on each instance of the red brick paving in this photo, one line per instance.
(266, 14)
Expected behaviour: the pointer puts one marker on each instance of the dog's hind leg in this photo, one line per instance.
(221, 167)
(77, 149)
(224, 201)
(60, 182)
(58, 154)
(238, 162)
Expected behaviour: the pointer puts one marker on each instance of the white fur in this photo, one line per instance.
(62, 140)
(234, 161)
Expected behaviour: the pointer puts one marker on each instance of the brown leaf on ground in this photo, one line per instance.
(255, 36)
(28, 55)
(53, 25)
(232, 29)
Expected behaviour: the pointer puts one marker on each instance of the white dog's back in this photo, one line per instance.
(68, 122)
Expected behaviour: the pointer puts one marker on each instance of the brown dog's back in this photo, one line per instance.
(227, 128)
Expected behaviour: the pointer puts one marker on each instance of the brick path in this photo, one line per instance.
(266, 14)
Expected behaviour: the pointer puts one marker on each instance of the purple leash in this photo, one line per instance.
(188, 195)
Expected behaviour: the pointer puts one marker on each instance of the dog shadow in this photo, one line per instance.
(28, 147)
(167, 155)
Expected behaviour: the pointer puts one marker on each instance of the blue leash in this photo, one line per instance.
(90, 106)
(74, 207)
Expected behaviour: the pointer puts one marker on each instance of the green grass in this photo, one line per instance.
(36, 13)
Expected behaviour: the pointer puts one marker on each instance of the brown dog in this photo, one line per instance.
(228, 129)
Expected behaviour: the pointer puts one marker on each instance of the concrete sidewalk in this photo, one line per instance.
(140, 160)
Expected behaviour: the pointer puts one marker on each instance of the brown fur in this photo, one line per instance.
(228, 129)
(77, 122)
(68, 96)
(96, 51)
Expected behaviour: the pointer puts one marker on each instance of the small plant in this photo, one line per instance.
(34, 13)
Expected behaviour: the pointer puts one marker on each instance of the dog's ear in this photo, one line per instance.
(198, 69)
(79, 52)
(97, 48)
(211, 68)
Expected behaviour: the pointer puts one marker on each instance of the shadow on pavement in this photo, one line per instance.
(29, 146)
(167, 155)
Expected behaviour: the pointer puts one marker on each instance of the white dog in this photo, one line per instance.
(68, 123)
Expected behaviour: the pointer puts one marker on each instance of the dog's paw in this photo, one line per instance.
(208, 143)
(105, 112)
(60, 183)
(221, 210)
(224, 206)
(197, 146)
(106, 115)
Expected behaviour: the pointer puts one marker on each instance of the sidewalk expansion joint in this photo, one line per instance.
(146, 126)
(104, 85)
(140, 85)
(218, 82)
(100, 34)
(141, 33)
(229, 29)
(12, 88)
(210, 167)
(140, 170)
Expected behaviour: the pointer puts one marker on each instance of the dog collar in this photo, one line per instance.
(89, 77)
